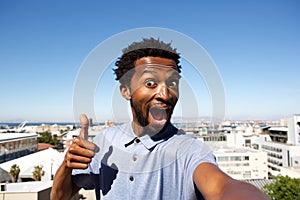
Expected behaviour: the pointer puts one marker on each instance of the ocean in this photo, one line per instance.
(13, 124)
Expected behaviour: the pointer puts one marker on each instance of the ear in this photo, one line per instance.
(125, 91)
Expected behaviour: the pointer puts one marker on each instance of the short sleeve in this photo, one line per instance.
(200, 153)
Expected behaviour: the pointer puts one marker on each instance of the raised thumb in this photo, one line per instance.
(84, 123)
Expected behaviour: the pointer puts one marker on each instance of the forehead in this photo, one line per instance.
(155, 65)
(155, 60)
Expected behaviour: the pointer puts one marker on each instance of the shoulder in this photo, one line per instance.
(195, 150)
(184, 138)
(191, 145)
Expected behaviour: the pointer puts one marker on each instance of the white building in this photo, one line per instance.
(281, 155)
(294, 130)
(27, 190)
(36, 190)
(242, 163)
(15, 145)
(49, 159)
(282, 146)
(290, 171)
(236, 152)
(242, 139)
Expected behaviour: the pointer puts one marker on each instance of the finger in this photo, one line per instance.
(75, 165)
(79, 159)
(84, 122)
(81, 143)
(86, 149)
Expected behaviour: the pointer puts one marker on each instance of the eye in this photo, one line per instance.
(150, 83)
(172, 83)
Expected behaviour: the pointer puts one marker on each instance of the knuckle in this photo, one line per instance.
(71, 149)
(76, 140)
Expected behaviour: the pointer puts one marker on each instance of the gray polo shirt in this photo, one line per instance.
(130, 167)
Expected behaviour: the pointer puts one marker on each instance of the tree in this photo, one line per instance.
(14, 172)
(283, 188)
(46, 137)
(38, 173)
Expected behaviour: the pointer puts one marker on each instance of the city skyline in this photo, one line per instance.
(254, 45)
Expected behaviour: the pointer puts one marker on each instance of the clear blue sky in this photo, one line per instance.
(254, 44)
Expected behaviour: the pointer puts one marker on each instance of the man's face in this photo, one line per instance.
(154, 92)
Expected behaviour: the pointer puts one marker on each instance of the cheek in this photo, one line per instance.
(139, 99)
(142, 94)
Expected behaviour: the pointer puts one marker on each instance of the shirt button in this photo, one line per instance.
(137, 140)
(134, 158)
(131, 178)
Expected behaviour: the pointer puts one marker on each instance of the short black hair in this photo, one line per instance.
(136, 50)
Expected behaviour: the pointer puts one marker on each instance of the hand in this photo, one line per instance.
(81, 151)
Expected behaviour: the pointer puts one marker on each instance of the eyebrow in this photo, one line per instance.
(174, 74)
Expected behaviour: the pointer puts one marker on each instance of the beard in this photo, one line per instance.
(142, 120)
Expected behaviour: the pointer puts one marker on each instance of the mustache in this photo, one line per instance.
(164, 103)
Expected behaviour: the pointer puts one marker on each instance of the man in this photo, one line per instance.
(148, 158)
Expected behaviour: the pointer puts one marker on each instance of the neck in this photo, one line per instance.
(137, 129)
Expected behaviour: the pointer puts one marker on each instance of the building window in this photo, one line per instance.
(222, 158)
(247, 174)
(235, 158)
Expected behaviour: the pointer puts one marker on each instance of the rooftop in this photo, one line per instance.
(50, 159)
(235, 150)
(279, 128)
(32, 186)
(12, 136)
(260, 182)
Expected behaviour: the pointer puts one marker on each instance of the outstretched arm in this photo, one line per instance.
(78, 156)
(63, 188)
(215, 184)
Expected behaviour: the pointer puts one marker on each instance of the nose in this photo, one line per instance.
(163, 92)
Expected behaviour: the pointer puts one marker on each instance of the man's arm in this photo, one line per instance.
(78, 156)
(62, 187)
(215, 184)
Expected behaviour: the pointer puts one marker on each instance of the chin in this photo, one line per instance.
(157, 127)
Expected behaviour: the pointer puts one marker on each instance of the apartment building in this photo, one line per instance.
(242, 163)
(15, 145)
(282, 146)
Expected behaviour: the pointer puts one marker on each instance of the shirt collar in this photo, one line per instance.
(151, 142)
